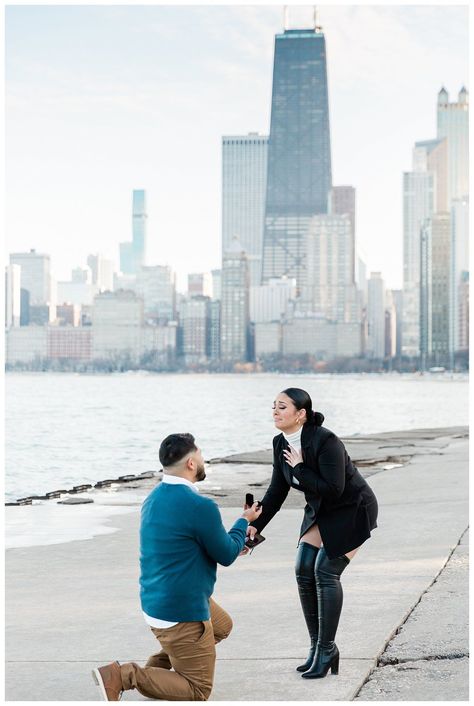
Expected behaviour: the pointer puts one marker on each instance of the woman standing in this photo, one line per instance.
(340, 513)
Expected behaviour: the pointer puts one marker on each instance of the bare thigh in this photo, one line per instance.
(312, 536)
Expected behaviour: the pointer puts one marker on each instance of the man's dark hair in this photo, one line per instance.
(175, 447)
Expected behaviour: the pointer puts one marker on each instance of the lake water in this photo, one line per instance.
(65, 429)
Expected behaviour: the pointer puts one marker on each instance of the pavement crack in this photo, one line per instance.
(380, 662)
(392, 661)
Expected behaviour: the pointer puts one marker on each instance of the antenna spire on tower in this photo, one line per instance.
(317, 24)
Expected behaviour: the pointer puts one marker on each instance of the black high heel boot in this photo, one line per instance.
(304, 570)
(329, 590)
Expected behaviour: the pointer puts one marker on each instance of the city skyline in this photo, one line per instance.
(167, 148)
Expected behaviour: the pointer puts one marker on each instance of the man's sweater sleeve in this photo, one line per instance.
(222, 546)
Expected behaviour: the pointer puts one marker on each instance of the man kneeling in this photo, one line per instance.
(182, 539)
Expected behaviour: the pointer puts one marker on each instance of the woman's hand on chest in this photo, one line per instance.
(292, 456)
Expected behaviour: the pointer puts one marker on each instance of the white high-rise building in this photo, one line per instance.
(81, 275)
(330, 288)
(244, 180)
(418, 205)
(342, 201)
(35, 275)
(77, 293)
(434, 291)
(156, 284)
(36, 279)
(117, 325)
(234, 303)
(432, 156)
(216, 284)
(453, 123)
(361, 280)
(459, 279)
(12, 295)
(102, 272)
(376, 316)
(269, 302)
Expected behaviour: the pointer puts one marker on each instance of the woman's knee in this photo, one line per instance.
(305, 560)
(329, 568)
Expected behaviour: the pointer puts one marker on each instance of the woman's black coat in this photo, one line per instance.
(338, 499)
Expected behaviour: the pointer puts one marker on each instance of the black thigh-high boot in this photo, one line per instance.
(304, 570)
(328, 587)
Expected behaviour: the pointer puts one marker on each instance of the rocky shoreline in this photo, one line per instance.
(372, 454)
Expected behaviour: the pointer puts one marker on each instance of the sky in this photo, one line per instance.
(104, 99)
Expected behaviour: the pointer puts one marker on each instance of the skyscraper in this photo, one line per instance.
(12, 295)
(435, 287)
(156, 285)
(194, 319)
(418, 205)
(376, 316)
(234, 303)
(35, 275)
(269, 302)
(299, 153)
(459, 276)
(342, 202)
(139, 218)
(133, 254)
(244, 179)
(102, 272)
(330, 288)
(453, 123)
(432, 156)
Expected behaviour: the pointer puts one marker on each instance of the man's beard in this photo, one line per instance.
(200, 473)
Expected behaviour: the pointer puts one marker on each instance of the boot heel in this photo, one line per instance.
(335, 665)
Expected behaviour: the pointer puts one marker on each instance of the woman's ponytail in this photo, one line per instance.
(302, 400)
(317, 418)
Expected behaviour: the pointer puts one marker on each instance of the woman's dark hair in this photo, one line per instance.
(302, 400)
(175, 447)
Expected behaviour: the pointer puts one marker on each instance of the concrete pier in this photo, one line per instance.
(73, 606)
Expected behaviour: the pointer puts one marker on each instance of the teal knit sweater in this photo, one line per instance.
(182, 539)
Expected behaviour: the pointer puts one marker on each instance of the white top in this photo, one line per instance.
(172, 480)
(294, 440)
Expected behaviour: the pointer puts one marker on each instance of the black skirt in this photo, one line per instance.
(347, 527)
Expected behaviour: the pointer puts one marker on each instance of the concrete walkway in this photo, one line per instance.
(73, 606)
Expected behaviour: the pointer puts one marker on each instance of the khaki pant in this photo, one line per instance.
(188, 649)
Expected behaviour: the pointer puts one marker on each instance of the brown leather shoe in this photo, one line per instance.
(109, 681)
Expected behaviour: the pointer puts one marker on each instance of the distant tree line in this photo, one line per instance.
(166, 362)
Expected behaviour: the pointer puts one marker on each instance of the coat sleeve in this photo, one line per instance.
(329, 480)
(275, 495)
(222, 546)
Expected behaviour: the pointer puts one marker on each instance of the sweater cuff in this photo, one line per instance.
(242, 522)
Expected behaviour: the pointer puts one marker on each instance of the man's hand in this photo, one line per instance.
(251, 532)
(252, 513)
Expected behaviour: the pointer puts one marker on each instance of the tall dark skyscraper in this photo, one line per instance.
(299, 151)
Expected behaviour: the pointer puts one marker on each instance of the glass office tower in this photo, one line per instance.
(139, 217)
(299, 151)
(133, 254)
(244, 180)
